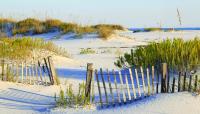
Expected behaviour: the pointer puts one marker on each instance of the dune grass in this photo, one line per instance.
(21, 49)
(177, 53)
(31, 26)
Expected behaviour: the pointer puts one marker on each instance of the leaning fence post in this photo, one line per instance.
(163, 79)
(138, 83)
(158, 79)
(22, 71)
(184, 81)
(52, 70)
(152, 79)
(99, 88)
(110, 86)
(148, 82)
(48, 72)
(2, 68)
(127, 87)
(132, 83)
(179, 81)
(195, 84)
(115, 81)
(122, 88)
(173, 85)
(104, 85)
(168, 79)
(143, 82)
(88, 81)
(190, 82)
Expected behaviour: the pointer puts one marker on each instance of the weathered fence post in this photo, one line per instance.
(158, 79)
(22, 71)
(127, 87)
(132, 83)
(52, 70)
(168, 78)
(110, 86)
(195, 84)
(152, 79)
(48, 72)
(2, 68)
(173, 85)
(163, 79)
(122, 88)
(179, 81)
(104, 85)
(184, 81)
(143, 82)
(88, 81)
(148, 82)
(99, 88)
(115, 81)
(138, 83)
(190, 82)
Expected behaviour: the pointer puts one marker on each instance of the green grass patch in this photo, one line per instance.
(87, 51)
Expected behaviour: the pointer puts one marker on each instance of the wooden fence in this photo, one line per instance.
(34, 72)
(130, 84)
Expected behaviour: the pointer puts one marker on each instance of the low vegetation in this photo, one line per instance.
(178, 54)
(31, 26)
(20, 49)
(152, 29)
(87, 51)
(70, 99)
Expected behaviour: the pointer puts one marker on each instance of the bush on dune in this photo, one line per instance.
(152, 29)
(28, 25)
(51, 24)
(105, 32)
(68, 27)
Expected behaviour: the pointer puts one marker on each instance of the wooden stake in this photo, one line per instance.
(110, 86)
(88, 80)
(148, 82)
(184, 81)
(190, 82)
(163, 79)
(115, 81)
(179, 81)
(152, 79)
(127, 86)
(132, 83)
(173, 85)
(96, 73)
(122, 88)
(195, 84)
(22, 71)
(138, 83)
(104, 85)
(143, 82)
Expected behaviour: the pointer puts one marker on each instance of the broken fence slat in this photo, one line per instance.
(138, 83)
(104, 85)
(122, 88)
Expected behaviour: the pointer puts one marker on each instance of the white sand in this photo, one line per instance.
(19, 98)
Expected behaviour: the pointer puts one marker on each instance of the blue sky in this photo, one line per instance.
(130, 13)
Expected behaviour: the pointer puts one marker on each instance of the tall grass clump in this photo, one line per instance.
(72, 99)
(20, 49)
(178, 54)
(52, 24)
(28, 26)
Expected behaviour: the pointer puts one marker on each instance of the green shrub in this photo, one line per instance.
(177, 53)
(71, 99)
(52, 23)
(111, 26)
(152, 29)
(28, 25)
(68, 27)
(87, 51)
